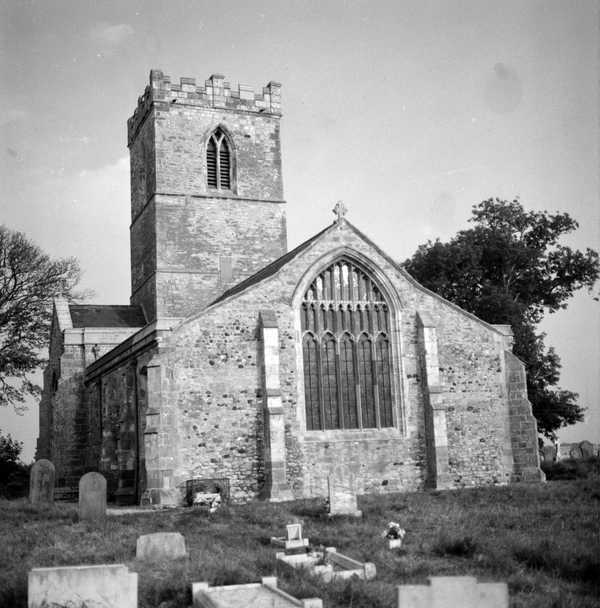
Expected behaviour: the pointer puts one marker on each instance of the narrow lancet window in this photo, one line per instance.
(218, 162)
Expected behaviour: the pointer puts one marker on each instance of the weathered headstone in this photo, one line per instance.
(160, 546)
(294, 539)
(445, 591)
(110, 586)
(587, 449)
(41, 482)
(548, 453)
(575, 452)
(92, 498)
(342, 499)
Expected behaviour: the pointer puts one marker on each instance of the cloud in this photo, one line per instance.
(110, 36)
(14, 115)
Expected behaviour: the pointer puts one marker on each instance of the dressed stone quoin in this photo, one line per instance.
(254, 371)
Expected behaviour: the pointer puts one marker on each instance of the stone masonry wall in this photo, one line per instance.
(213, 390)
(182, 232)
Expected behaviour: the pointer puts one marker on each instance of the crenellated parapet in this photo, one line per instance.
(216, 93)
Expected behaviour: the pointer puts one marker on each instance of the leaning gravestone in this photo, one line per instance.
(587, 449)
(92, 498)
(160, 546)
(342, 499)
(41, 482)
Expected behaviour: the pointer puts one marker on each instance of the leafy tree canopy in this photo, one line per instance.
(29, 280)
(510, 268)
(13, 473)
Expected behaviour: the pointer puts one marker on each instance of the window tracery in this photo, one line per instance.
(345, 324)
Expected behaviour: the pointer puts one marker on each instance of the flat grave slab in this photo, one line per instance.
(329, 564)
(110, 586)
(450, 591)
(258, 595)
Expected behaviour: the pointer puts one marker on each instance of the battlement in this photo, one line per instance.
(216, 93)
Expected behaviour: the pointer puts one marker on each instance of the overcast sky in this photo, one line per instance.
(411, 112)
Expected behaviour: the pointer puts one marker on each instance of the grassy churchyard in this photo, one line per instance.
(542, 539)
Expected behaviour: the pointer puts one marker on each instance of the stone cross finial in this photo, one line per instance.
(340, 211)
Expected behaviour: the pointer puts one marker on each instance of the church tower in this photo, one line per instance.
(207, 206)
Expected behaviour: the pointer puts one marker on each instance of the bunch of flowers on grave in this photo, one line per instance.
(394, 531)
(207, 500)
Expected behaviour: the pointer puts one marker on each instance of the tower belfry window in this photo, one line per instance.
(218, 162)
(345, 323)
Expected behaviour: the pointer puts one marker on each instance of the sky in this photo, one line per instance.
(409, 112)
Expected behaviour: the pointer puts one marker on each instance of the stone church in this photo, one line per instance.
(263, 370)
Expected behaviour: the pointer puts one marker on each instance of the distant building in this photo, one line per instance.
(265, 368)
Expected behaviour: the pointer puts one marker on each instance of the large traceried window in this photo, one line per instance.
(218, 161)
(346, 351)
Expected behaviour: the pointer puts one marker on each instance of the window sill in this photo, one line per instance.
(335, 435)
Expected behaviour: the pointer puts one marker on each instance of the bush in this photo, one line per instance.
(570, 468)
(14, 475)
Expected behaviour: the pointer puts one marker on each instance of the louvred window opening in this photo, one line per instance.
(218, 162)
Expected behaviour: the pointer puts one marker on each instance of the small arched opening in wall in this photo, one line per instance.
(220, 161)
(347, 316)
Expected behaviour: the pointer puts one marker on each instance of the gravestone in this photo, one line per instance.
(342, 498)
(294, 539)
(92, 498)
(160, 546)
(549, 453)
(446, 591)
(110, 586)
(41, 482)
(575, 452)
(587, 449)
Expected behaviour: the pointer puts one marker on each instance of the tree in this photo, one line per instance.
(29, 280)
(13, 473)
(510, 268)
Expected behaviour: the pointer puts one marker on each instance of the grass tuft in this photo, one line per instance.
(462, 546)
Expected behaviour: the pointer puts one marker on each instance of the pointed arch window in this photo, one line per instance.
(218, 161)
(345, 323)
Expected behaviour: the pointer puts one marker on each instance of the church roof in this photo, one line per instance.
(270, 269)
(277, 264)
(106, 315)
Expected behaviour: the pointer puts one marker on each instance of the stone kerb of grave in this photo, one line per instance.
(260, 595)
(342, 499)
(92, 498)
(294, 538)
(328, 564)
(41, 482)
(160, 546)
(103, 586)
(445, 591)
